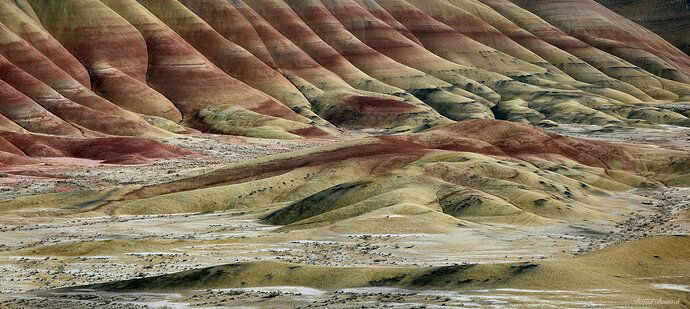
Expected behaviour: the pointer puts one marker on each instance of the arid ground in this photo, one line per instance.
(477, 263)
(344, 153)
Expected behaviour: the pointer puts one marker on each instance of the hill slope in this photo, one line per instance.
(668, 19)
(290, 69)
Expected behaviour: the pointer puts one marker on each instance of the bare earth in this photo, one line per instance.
(41, 253)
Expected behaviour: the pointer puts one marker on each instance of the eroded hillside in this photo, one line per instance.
(424, 152)
(285, 69)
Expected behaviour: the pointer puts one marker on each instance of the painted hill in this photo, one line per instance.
(607, 269)
(304, 135)
(670, 19)
(472, 171)
(291, 69)
(94, 79)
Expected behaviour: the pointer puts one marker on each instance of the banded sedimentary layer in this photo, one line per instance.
(291, 69)
(670, 19)
(473, 171)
